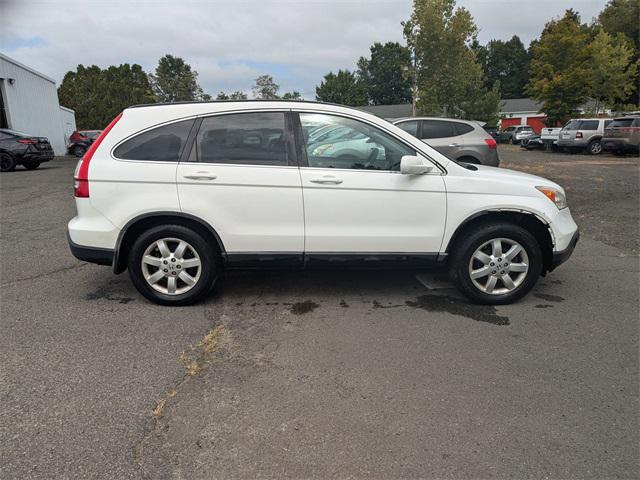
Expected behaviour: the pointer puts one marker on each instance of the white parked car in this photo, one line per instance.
(177, 193)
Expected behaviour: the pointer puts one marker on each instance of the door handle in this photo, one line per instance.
(201, 176)
(454, 145)
(327, 179)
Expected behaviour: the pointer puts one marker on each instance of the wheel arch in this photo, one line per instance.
(528, 220)
(148, 220)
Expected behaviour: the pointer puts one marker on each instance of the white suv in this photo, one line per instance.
(177, 193)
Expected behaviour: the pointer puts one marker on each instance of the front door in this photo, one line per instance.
(356, 202)
(242, 178)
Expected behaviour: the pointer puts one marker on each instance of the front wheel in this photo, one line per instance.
(496, 263)
(173, 265)
(31, 165)
(78, 151)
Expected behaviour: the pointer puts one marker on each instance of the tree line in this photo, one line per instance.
(443, 70)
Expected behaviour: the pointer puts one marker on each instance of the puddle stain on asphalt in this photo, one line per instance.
(549, 298)
(300, 308)
(544, 306)
(377, 304)
(344, 304)
(479, 313)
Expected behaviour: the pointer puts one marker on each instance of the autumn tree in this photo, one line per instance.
(448, 76)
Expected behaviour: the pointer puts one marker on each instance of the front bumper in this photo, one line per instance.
(560, 257)
(100, 256)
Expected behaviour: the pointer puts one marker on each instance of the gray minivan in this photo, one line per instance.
(461, 140)
(583, 133)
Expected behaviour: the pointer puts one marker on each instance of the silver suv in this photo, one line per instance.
(461, 140)
(582, 133)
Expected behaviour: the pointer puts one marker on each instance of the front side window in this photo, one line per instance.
(409, 127)
(243, 139)
(160, 144)
(438, 129)
(337, 142)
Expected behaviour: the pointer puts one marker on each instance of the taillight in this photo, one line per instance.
(578, 134)
(81, 178)
(27, 141)
(630, 129)
(491, 143)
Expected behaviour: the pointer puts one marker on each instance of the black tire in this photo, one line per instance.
(210, 266)
(78, 151)
(31, 165)
(473, 239)
(7, 162)
(594, 147)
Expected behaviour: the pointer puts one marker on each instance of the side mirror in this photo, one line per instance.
(414, 165)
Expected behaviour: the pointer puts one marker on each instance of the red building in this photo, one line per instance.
(522, 111)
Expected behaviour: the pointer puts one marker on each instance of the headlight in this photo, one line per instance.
(556, 196)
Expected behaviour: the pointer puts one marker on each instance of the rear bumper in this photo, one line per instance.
(100, 256)
(36, 157)
(560, 257)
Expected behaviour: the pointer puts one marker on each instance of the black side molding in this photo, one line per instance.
(100, 256)
(560, 257)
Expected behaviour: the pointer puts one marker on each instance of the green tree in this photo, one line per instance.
(612, 73)
(175, 81)
(97, 96)
(385, 76)
(343, 87)
(448, 76)
(559, 69)
(621, 16)
(508, 63)
(295, 95)
(237, 95)
(265, 87)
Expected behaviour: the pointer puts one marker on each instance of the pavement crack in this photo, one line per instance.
(45, 274)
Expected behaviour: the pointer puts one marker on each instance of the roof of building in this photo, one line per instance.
(390, 111)
(511, 105)
(24, 67)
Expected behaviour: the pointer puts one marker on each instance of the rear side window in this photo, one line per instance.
(621, 123)
(463, 128)
(589, 125)
(243, 139)
(409, 127)
(437, 129)
(160, 144)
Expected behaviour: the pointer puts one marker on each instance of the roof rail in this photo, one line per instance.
(197, 102)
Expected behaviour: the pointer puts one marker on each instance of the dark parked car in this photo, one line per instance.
(493, 131)
(533, 142)
(80, 140)
(622, 136)
(18, 148)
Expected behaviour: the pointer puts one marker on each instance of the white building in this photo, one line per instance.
(29, 104)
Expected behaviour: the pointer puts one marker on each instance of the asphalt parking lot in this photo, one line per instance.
(321, 374)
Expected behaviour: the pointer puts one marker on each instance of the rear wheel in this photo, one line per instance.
(7, 162)
(78, 151)
(173, 265)
(594, 147)
(496, 263)
(31, 165)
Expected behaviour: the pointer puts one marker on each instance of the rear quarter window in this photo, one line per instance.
(463, 128)
(160, 144)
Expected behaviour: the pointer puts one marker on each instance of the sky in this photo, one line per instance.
(230, 43)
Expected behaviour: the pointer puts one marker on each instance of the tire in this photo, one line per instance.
(78, 151)
(31, 165)
(594, 147)
(508, 234)
(7, 162)
(159, 291)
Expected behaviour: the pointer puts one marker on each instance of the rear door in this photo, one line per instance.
(241, 176)
(443, 136)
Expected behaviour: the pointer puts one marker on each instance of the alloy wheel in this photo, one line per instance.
(171, 266)
(498, 266)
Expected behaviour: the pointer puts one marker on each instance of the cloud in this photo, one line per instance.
(230, 43)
